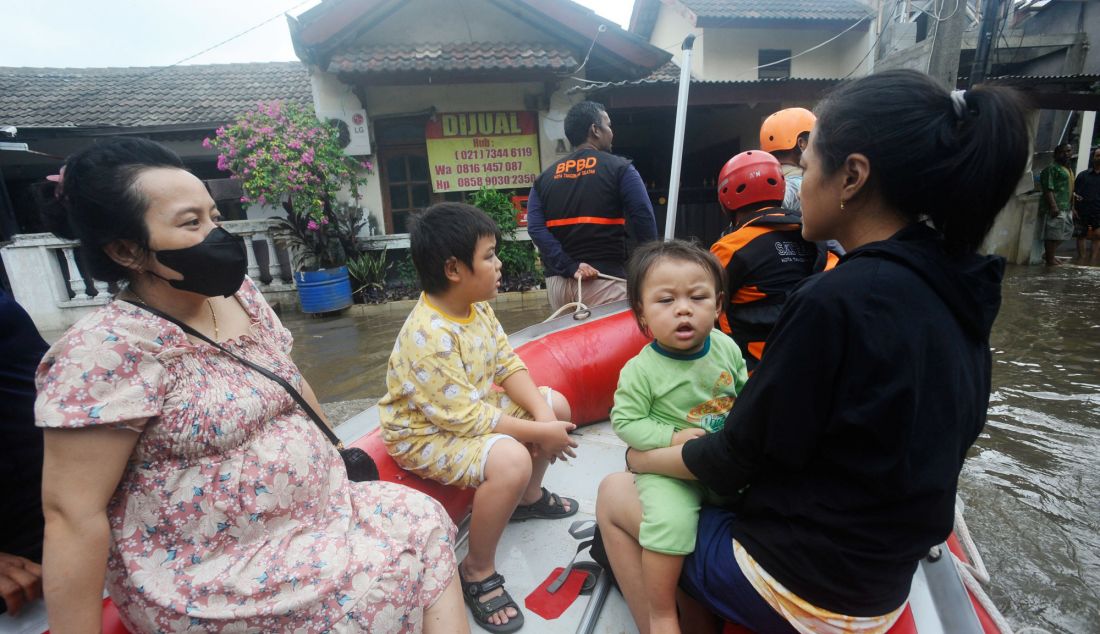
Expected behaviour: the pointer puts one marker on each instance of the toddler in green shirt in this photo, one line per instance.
(679, 387)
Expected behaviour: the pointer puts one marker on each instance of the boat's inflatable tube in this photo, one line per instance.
(581, 360)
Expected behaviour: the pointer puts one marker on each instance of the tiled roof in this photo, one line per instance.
(670, 74)
(149, 96)
(777, 9)
(458, 56)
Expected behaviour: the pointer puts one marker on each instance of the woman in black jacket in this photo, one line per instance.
(843, 452)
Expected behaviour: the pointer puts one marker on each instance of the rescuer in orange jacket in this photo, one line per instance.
(765, 256)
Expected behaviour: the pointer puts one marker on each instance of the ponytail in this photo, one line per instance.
(954, 158)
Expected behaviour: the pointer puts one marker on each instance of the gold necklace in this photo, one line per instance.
(209, 304)
(214, 316)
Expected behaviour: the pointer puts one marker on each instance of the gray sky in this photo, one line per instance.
(89, 33)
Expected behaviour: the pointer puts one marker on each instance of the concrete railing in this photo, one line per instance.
(48, 282)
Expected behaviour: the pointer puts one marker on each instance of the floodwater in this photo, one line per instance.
(1033, 480)
(1031, 485)
(344, 357)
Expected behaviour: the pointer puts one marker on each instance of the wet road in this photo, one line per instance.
(1033, 480)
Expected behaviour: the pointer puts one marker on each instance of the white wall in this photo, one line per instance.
(733, 54)
(673, 24)
(451, 21)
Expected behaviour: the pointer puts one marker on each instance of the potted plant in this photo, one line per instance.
(283, 154)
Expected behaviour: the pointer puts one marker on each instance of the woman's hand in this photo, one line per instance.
(20, 582)
(667, 461)
(684, 435)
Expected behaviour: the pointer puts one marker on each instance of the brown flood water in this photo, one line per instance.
(1031, 485)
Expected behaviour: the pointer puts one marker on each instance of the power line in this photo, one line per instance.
(161, 69)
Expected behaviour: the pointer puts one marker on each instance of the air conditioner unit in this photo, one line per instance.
(354, 131)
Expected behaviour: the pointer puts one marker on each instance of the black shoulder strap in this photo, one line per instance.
(259, 368)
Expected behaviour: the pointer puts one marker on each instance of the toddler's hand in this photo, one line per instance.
(554, 440)
(685, 435)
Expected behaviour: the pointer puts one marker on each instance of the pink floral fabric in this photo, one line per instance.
(235, 513)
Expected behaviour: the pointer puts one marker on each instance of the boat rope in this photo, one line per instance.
(974, 574)
(580, 309)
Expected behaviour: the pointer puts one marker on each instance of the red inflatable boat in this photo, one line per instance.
(581, 359)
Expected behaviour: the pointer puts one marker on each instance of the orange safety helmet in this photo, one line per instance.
(749, 178)
(782, 129)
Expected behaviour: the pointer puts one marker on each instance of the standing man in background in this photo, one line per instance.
(580, 208)
(1055, 215)
(1086, 198)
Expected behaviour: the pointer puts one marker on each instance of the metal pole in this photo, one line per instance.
(986, 44)
(678, 139)
(595, 604)
(1084, 147)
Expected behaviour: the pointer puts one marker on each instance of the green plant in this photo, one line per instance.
(283, 154)
(406, 271)
(517, 258)
(369, 271)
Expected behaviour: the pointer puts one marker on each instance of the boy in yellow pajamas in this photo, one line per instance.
(443, 419)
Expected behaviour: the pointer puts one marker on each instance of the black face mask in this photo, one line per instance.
(215, 266)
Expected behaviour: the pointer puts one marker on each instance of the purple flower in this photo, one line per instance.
(206, 143)
(223, 163)
(324, 221)
(312, 225)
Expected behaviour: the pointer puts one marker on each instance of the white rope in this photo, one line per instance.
(974, 574)
(579, 306)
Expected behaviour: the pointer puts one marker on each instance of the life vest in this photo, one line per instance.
(765, 258)
(583, 207)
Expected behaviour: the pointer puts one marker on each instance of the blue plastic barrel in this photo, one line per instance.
(323, 291)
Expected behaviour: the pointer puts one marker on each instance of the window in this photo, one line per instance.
(408, 186)
(770, 65)
(406, 181)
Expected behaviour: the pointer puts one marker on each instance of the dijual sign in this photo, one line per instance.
(471, 150)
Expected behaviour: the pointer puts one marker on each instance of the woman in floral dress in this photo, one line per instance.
(190, 484)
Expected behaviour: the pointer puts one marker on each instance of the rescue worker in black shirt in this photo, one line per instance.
(579, 210)
(765, 255)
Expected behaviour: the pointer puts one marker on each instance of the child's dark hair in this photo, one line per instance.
(955, 159)
(445, 231)
(652, 253)
(97, 202)
(580, 118)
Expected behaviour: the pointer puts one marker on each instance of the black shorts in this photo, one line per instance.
(1085, 222)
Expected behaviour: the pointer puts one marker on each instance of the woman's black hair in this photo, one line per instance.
(444, 231)
(97, 201)
(953, 159)
(580, 118)
(651, 253)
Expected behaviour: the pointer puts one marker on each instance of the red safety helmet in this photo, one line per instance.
(749, 178)
(781, 130)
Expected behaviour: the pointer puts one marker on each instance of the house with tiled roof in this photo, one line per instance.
(749, 59)
(456, 95)
(739, 40)
(57, 111)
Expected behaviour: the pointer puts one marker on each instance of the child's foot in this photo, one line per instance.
(548, 506)
(492, 607)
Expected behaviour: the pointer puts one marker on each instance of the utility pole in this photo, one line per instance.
(943, 58)
(991, 10)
